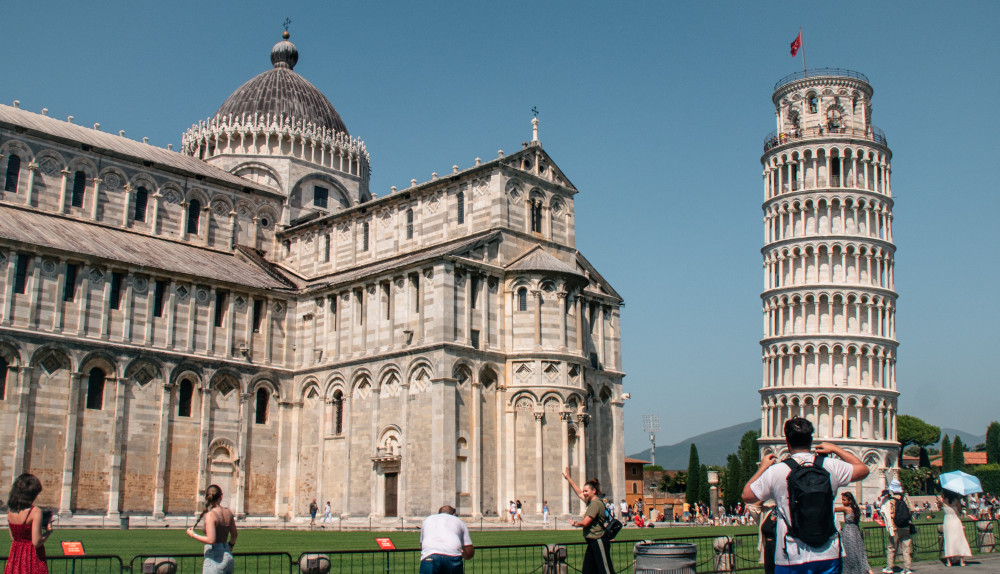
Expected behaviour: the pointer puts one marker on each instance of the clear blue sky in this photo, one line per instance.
(656, 111)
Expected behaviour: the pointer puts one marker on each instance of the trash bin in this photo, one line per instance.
(665, 558)
(124, 522)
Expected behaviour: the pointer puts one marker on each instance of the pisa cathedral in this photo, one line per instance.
(244, 311)
(829, 300)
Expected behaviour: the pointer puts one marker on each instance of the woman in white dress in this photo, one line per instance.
(955, 543)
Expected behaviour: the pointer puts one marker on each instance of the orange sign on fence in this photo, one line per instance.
(385, 544)
(72, 548)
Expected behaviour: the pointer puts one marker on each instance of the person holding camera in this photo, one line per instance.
(29, 526)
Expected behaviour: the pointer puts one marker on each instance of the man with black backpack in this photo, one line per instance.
(803, 486)
(895, 510)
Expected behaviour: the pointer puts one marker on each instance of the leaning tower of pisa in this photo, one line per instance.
(829, 303)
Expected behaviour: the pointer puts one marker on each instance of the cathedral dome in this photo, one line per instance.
(281, 92)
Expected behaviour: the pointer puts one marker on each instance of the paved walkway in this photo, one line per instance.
(979, 564)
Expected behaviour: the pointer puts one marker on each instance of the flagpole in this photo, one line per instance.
(802, 46)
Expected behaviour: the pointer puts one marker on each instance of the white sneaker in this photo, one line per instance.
(887, 571)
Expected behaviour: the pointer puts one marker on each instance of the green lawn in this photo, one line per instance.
(129, 543)
(350, 551)
(507, 551)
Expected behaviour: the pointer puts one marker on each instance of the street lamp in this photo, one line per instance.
(651, 424)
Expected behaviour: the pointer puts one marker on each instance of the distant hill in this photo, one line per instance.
(969, 439)
(713, 447)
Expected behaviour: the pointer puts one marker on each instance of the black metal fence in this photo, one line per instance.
(247, 563)
(736, 553)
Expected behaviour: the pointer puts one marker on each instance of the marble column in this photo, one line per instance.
(69, 454)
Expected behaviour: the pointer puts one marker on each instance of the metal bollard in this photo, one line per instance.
(723, 546)
(314, 564)
(984, 536)
(159, 565)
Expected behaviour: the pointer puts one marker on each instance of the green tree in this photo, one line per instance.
(675, 483)
(925, 460)
(911, 430)
(993, 443)
(733, 488)
(946, 454)
(749, 454)
(958, 454)
(693, 476)
(703, 486)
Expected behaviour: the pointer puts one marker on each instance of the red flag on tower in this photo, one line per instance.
(796, 44)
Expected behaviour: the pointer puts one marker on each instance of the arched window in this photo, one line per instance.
(194, 212)
(141, 199)
(461, 207)
(364, 236)
(522, 299)
(813, 102)
(95, 389)
(536, 215)
(338, 412)
(409, 224)
(79, 188)
(184, 398)
(3, 378)
(13, 172)
(261, 407)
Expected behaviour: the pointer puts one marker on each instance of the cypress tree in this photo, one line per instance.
(946, 454)
(993, 443)
(733, 487)
(749, 454)
(694, 476)
(958, 454)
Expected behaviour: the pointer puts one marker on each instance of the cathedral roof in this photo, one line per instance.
(537, 259)
(143, 251)
(280, 92)
(452, 248)
(121, 146)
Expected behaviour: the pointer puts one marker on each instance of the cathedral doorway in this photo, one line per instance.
(391, 493)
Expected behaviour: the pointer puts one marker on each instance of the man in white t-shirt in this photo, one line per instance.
(444, 543)
(793, 556)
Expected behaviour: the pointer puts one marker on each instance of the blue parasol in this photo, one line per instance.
(960, 482)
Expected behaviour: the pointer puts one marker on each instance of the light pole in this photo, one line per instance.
(651, 425)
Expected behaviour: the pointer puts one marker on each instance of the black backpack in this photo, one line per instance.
(810, 502)
(612, 526)
(901, 513)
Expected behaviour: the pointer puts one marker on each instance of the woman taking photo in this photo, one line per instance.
(956, 545)
(855, 558)
(28, 529)
(220, 533)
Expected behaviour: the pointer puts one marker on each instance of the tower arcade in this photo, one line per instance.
(829, 301)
